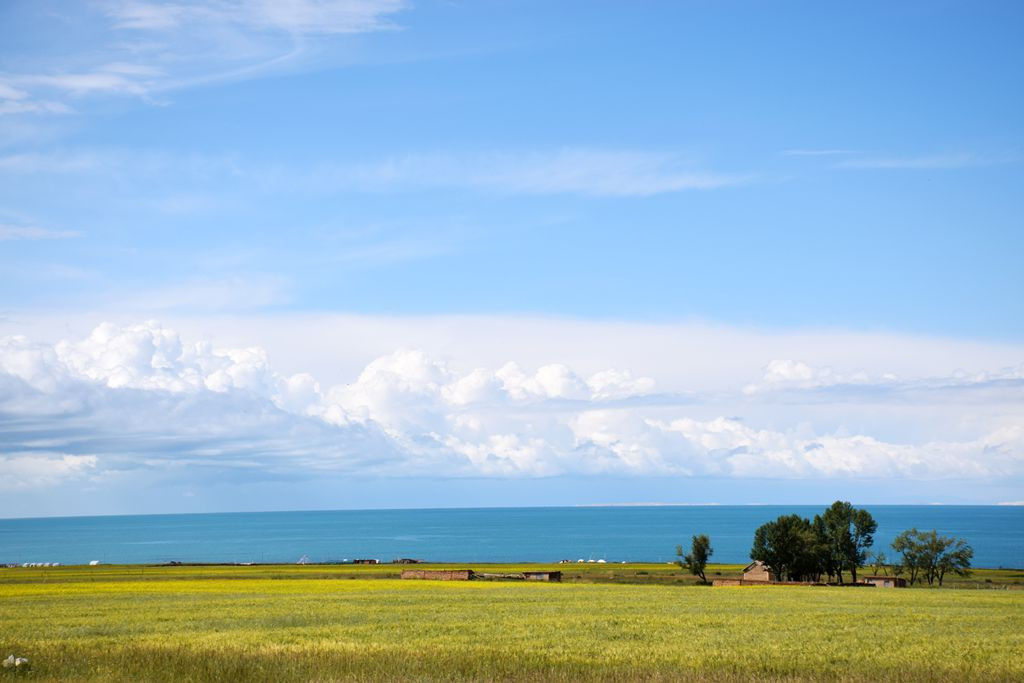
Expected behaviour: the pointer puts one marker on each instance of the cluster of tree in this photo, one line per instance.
(926, 556)
(795, 548)
(799, 549)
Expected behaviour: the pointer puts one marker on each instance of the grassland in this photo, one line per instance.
(358, 623)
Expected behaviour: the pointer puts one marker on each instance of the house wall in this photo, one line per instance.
(438, 574)
(757, 574)
(886, 582)
(744, 582)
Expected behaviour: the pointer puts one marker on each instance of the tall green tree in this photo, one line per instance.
(850, 533)
(697, 559)
(788, 547)
(826, 561)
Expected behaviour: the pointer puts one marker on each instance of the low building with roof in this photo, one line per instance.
(885, 581)
(758, 571)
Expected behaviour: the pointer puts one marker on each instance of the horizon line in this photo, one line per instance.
(499, 507)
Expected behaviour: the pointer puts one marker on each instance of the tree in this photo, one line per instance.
(955, 558)
(850, 533)
(827, 563)
(788, 547)
(926, 556)
(697, 560)
(908, 545)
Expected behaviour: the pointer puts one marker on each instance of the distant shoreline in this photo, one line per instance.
(577, 506)
(382, 565)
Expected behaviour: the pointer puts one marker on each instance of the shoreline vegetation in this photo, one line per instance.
(642, 573)
(649, 622)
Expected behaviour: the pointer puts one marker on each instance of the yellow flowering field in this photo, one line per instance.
(309, 624)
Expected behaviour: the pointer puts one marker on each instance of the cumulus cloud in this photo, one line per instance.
(796, 374)
(138, 397)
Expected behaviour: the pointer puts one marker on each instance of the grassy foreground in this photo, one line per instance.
(307, 624)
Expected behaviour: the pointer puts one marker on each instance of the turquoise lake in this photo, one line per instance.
(613, 534)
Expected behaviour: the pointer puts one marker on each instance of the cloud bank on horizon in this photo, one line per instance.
(396, 245)
(131, 397)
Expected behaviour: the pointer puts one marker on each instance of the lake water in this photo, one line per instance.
(470, 535)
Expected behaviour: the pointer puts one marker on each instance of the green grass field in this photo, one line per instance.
(347, 623)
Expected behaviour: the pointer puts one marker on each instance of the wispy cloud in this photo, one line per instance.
(17, 101)
(146, 48)
(931, 161)
(819, 152)
(116, 78)
(582, 171)
(28, 232)
(293, 16)
(595, 172)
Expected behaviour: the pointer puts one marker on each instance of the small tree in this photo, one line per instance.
(878, 563)
(697, 560)
(908, 545)
(944, 555)
(926, 556)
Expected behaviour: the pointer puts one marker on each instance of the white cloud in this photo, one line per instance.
(138, 397)
(795, 374)
(682, 356)
(30, 470)
(618, 384)
(791, 375)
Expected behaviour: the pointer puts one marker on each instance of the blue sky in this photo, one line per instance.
(784, 230)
